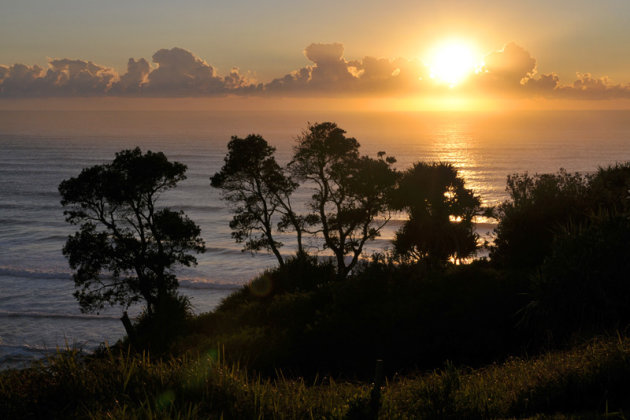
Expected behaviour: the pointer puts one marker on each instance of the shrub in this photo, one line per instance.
(406, 316)
(583, 286)
(157, 331)
(538, 206)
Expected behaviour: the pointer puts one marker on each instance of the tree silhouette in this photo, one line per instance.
(349, 191)
(126, 247)
(541, 205)
(440, 212)
(537, 207)
(260, 194)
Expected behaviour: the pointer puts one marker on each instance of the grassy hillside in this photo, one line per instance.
(589, 381)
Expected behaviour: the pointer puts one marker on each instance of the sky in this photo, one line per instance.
(560, 50)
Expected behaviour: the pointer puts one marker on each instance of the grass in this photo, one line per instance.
(589, 381)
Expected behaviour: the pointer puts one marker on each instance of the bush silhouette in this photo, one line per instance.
(537, 208)
(583, 286)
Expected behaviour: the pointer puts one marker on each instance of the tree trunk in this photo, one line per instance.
(275, 251)
(131, 332)
(341, 265)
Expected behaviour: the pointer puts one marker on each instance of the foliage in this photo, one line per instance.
(583, 286)
(390, 311)
(411, 315)
(537, 208)
(126, 247)
(159, 331)
(569, 233)
(260, 193)
(610, 189)
(441, 210)
(302, 273)
(349, 190)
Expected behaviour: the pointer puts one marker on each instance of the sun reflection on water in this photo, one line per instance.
(454, 144)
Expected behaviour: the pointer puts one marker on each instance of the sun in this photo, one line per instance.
(451, 62)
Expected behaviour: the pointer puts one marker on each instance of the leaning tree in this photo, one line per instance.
(126, 247)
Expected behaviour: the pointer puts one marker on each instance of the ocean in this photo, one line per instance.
(39, 149)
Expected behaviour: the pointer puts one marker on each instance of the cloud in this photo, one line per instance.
(330, 67)
(20, 80)
(134, 80)
(588, 87)
(585, 87)
(506, 69)
(176, 72)
(387, 76)
(295, 81)
(234, 81)
(512, 71)
(64, 77)
(331, 73)
(542, 84)
(180, 73)
(372, 69)
(79, 78)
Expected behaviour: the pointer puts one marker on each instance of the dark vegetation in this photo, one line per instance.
(349, 192)
(589, 381)
(536, 329)
(386, 311)
(126, 246)
(433, 195)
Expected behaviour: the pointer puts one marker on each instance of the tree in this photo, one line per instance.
(260, 194)
(541, 205)
(349, 191)
(126, 247)
(538, 206)
(441, 211)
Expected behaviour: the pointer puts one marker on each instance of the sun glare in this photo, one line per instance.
(452, 62)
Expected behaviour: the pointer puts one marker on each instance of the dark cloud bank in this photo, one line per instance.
(177, 72)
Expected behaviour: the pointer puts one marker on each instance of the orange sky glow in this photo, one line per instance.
(447, 55)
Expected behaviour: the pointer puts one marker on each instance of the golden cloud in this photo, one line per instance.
(176, 72)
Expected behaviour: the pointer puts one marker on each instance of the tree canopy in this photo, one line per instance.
(349, 191)
(542, 205)
(259, 191)
(441, 210)
(352, 197)
(537, 207)
(126, 247)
